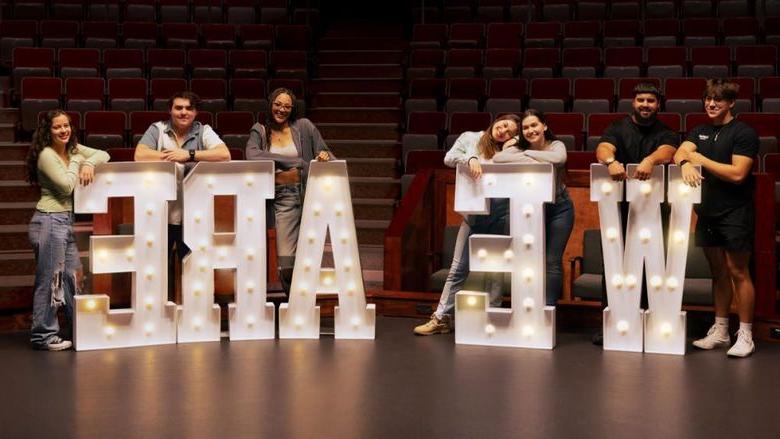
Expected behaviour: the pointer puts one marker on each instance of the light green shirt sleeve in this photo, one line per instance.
(92, 156)
(58, 177)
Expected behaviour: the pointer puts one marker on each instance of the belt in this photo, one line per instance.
(287, 177)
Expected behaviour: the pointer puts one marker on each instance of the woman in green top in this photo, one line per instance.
(56, 162)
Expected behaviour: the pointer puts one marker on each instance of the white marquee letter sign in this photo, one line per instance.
(529, 323)
(151, 318)
(327, 208)
(251, 318)
(626, 326)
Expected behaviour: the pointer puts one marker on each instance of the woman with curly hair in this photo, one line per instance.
(56, 162)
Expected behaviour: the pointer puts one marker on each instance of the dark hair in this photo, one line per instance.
(647, 87)
(721, 88)
(190, 96)
(487, 146)
(291, 118)
(42, 139)
(548, 134)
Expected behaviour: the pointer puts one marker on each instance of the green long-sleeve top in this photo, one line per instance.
(58, 179)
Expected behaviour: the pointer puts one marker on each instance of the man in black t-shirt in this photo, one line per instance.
(637, 138)
(725, 150)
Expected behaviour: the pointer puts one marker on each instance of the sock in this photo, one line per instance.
(746, 327)
(722, 323)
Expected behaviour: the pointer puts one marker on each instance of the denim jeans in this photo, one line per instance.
(559, 221)
(288, 204)
(459, 270)
(57, 261)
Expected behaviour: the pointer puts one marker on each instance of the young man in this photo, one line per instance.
(725, 149)
(637, 138)
(182, 140)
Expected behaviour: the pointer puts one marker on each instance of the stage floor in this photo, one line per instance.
(398, 386)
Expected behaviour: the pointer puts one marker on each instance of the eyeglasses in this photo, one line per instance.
(282, 106)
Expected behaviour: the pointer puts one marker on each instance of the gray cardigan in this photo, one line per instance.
(308, 141)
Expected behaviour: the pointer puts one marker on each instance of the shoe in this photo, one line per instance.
(716, 338)
(598, 339)
(56, 344)
(435, 326)
(744, 345)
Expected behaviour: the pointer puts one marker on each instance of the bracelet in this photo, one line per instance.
(683, 162)
(471, 158)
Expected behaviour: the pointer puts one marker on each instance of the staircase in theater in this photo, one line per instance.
(356, 103)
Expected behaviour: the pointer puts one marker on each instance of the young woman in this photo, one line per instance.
(474, 149)
(56, 162)
(291, 142)
(539, 145)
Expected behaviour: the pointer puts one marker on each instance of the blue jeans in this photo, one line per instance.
(57, 261)
(495, 223)
(288, 204)
(559, 220)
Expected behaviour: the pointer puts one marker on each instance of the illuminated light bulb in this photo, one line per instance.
(656, 282)
(250, 287)
(528, 210)
(129, 254)
(678, 236)
(150, 209)
(203, 245)
(103, 255)
(197, 322)
(528, 274)
(250, 215)
(339, 209)
(347, 264)
(148, 179)
(310, 236)
(197, 216)
(303, 289)
(666, 329)
(645, 235)
(528, 331)
(149, 328)
(528, 303)
(198, 289)
(149, 273)
(203, 264)
(109, 331)
(149, 240)
(672, 283)
(490, 329)
(355, 321)
(617, 280)
(645, 188)
(612, 234)
(471, 301)
(327, 183)
(222, 253)
(109, 179)
(149, 302)
(482, 253)
(631, 281)
(490, 180)
(249, 179)
(683, 189)
(317, 208)
(509, 254)
(250, 321)
(90, 305)
(528, 181)
(622, 326)
(306, 264)
(250, 253)
(351, 289)
(298, 321)
(210, 181)
(344, 237)
(528, 239)
(606, 188)
(327, 281)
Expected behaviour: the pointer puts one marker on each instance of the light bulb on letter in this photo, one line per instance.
(471, 301)
(656, 282)
(528, 239)
(509, 254)
(631, 281)
(528, 331)
(645, 235)
(683, 189)
(528, 303)
(528, 274)
(148, 328)
(355, 321)
(344, 237)
(197, 322)
(606, 188)
(150, 209)
(298, 321)
(528, 210)
(149, 240)
(317, 208)
(617, 280)
(149, 302)
(482, 253)
(339, 209)
(250, 321)
(109, 331)
(310, 236)
(149, 273)
(327, 183)
(210, 181)
(249, 179)
(197, 216)
(490, 329)
(612, 234)
(678, 236)
(622, 326)
(645, 188)
(666, 329)
(91, 305)
(672, 283)
(250, 287)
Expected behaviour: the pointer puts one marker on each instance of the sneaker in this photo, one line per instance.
(744, 345)
(435, 326)
(56, 344)
(716, 338)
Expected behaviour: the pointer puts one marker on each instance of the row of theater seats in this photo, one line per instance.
(136, 94)
(610, 33)
(760, 60)
(212, 11)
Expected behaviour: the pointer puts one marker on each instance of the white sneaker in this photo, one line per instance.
(744, 345)
(716, 338)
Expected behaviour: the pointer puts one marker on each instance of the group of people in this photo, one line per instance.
(725, 150)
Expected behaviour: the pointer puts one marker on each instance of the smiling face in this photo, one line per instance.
(281, 108)
(60, 130)
(645, 107)
(503, 130)
(183, 114)
(533, 130)
(717, 108)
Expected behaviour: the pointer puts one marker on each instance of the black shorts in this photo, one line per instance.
(732, 231)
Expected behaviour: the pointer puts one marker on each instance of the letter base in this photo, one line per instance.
(259, 328)
(630, 339)
(663, 335)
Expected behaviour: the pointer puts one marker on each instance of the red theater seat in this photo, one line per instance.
(127, 94)
(104, 129)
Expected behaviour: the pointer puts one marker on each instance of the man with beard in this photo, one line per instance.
(725, 149)
(637, 138)
(184, 141)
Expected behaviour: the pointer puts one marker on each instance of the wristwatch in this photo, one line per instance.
(609, 161)
(683, 162)
(192, 155)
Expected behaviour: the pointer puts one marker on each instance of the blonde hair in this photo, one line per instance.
(487, 145)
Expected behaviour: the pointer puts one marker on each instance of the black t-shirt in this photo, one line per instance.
(635, 142)
(719, 143)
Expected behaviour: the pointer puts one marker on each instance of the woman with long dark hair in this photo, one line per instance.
(473, 149)
(57, 163)
(538, 144)
(291, 142)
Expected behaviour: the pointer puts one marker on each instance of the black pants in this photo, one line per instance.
(177, 249)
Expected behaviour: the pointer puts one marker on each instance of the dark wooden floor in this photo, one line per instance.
(399, 386)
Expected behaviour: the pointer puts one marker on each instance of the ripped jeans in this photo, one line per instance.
(57, 261)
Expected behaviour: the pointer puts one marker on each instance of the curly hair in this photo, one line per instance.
(487, 145)
(42, 139)
(271, 122)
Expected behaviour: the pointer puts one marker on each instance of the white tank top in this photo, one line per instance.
(288, 150)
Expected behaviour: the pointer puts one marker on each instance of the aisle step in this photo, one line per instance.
(354, 115)
(346, 85)
(356, 69)
(360, 56)
(383, 131)
(356, 99)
